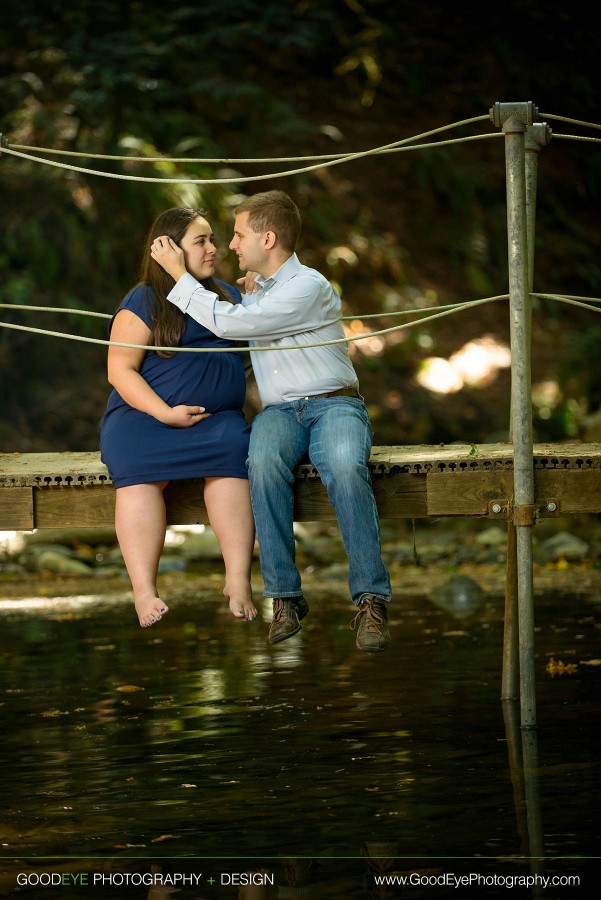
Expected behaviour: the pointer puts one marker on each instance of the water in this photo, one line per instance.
(198, 747)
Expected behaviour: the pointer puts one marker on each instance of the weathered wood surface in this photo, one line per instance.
(73, 489)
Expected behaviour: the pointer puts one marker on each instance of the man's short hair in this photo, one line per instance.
(273, 211)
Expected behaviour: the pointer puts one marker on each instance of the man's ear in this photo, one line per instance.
(270, 239)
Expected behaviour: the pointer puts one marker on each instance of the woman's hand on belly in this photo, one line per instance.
(184, 416)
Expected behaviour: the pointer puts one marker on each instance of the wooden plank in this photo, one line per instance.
(398, 496)
(470, 493)
(577, 490)
(84, 467)
(401, 496)
(16, 509)
(311, 503)
(93, 505)
(72, 489)
(66, 507)
(467, 493)
(185, 504)
(70, 467)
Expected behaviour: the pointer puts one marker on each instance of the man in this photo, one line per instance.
(311, 403)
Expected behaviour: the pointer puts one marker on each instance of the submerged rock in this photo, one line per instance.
(565, 546)
(59, 563)
(460, 596)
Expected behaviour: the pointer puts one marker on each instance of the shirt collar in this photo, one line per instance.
(286, 271)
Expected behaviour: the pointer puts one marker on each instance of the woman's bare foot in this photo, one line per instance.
(241, 604)
(150, 609)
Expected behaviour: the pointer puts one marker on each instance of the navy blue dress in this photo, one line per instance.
(138, 449)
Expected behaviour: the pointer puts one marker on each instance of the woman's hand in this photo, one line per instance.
(167, 254)
(248, 282)
(124, 365)
(184, 416)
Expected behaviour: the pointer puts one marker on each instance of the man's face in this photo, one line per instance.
(248, 245)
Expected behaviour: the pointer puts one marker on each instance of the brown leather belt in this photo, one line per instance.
(341, 392)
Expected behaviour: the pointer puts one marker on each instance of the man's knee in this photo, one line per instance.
(343, 470)
(267, 461)
(275, 446)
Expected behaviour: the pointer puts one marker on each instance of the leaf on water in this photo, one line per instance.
(558, 667)
(127, 846)
(129, 688)
(164, 837)
(188, 785)
(590, 662)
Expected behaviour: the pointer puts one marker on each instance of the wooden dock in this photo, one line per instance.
(73, 489)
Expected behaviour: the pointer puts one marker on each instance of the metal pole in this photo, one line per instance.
(537, 136)
(510, 673)
(514, 119)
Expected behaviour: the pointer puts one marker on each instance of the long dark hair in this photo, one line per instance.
(169, 321)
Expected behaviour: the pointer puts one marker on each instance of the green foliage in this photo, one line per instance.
(265, 78)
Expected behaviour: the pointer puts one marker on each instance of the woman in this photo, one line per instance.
(174, 415)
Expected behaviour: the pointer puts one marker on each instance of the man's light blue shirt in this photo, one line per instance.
(294, 307)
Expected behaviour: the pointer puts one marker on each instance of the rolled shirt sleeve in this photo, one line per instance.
(303, 303)
(296, 307)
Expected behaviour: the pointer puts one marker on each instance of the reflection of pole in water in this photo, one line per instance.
(511, 716)
(523, 764)
(255, 889)
(533, 813)
(298, 875)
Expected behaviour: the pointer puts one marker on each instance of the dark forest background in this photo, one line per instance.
(297, 78)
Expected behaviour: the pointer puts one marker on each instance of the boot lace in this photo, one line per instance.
(374, 615)
(279, 610)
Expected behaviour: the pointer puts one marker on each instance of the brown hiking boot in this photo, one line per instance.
(371, 623)
(287, 615)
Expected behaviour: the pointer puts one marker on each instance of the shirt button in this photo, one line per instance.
(275, 371)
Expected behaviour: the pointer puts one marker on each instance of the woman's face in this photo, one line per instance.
(199, 249)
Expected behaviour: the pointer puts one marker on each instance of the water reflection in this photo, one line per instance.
(200, 747)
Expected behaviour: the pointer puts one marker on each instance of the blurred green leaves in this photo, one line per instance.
(266, 78)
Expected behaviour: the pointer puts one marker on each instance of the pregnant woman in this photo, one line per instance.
(176, 414)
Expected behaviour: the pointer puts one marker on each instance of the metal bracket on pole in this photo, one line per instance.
(527, 514)
(513, 116)
(551, 508)
(524, 514)
(537, 136)
(499, 509)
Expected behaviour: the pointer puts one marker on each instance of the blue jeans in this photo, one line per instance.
(336, 432)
